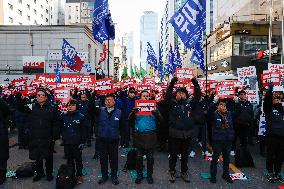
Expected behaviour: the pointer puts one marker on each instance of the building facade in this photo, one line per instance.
(148, 33)
(32, 12)
(45, 41)
(79, 11)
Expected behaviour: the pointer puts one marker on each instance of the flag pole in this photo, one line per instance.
(206, 97)
(108, 57)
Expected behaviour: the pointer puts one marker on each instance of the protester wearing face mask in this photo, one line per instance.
(222, 137)
(145, 140)
(180, 128)
(274, 116)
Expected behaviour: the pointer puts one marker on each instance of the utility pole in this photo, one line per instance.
(270, 29)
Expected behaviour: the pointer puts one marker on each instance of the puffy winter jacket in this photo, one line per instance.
(219, 133)
(243, 113)
(277, 121)
(127, 106)
(74, 128)
(109, 123)
(4, 140)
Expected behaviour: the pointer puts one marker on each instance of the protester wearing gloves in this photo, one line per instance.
(74, 135)
(180, 128)
(274, 116)
(145, 139)
(222, 137)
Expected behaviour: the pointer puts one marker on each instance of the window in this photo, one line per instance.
(46, 1)
(46, 11)
(28, 6)
(35, 1)
(20, 12)
(10, 6)
(28, 17)
(77, 8)
(10, 20)
(34, 11)
(41, 16)
(41, 6)
(20, 1)
(69, 17)
(46, 20)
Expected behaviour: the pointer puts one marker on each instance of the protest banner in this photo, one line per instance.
(225, 91)
(19, 85)
(185, 74)
(276, 68)
(104, 86)
(148, 81)
(128, 81)
(117, 85)
(145, 107)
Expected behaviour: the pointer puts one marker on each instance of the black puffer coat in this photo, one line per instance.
(44, 124)
(4, 140)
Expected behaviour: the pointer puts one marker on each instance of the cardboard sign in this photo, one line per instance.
(185, 74)
(145, 107)
(104, 86)
(225, 91)
(272, 77)
(276, 68)
(247, 77)
(141, 88)
(19, 85)
(253, 96)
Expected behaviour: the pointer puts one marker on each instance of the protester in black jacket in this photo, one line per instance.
(74, 135)
(180, 128)
(44, 125)
(222, 136)
(274, 116)
(4, 140)
(243, 118)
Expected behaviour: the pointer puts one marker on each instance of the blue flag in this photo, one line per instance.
(160, 64)
(102, 25)
(190, 21)
(177, 60)
(57, 74)
(169, 66)
(198, 55)
(68, 53)
(151, 58)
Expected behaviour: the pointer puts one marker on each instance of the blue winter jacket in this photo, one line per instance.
(145, 123)
(219, 133)
(108, 128)
(127, 106)
(74, 128)
(83, 107)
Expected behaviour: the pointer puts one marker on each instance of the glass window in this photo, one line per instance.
(10, 20)
(20, 1)
(28, 6)
(20, 12)
(28, 17)
(35, 11)
(249, 45)
(10, 6)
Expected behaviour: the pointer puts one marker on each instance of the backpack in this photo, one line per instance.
(65, 178)
(131, 160)
(25, 170)
(243, 158)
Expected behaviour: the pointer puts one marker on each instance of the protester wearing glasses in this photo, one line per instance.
(44, 126)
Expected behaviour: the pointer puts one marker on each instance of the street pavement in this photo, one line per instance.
(196, 166)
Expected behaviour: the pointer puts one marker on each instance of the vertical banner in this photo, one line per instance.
(104, 86)
(145, 107)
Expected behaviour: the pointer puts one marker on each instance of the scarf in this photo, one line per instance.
(225, 123)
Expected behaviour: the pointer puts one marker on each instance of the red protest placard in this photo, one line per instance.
(31, 90)
(144, 88)
(128, 81)
(6, 91)
(67, 79)
(117, 85)
(104, 86)
(145, 107)
(271, 77)
(159, 96)
(62, 94)
(148, 81)
(225, 91)
(19, 85)
(185, 74)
